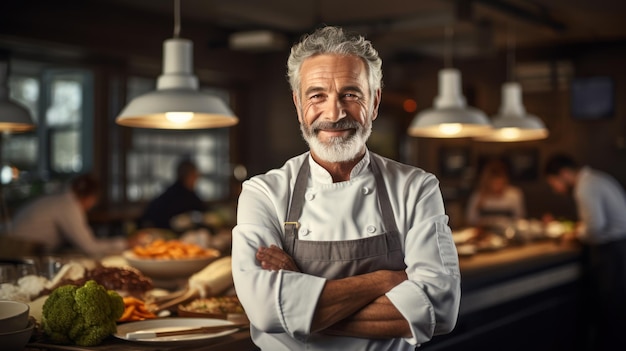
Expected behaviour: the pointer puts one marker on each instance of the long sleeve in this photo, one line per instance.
(601, 206)
(430, 298)
(75, 228)
(273, 307)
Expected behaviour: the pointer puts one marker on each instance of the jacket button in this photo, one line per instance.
(365, 190)
(309, 196)
(303, 231)
(371, 229)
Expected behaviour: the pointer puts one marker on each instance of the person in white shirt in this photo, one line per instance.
(601, 205)
(58, 222)
(495, 204)
(340, 248)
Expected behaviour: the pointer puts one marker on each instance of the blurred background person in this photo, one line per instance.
(179, 198)
(601, 206)
(58, 222)
(495, 204)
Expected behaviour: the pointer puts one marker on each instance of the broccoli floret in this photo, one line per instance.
(83, 316)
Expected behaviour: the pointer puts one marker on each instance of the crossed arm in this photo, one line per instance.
(353, 306)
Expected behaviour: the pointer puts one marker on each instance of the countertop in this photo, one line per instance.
(492, 266)
(487, 278)
(492, 278)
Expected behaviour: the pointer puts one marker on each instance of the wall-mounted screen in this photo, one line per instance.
(592, 97)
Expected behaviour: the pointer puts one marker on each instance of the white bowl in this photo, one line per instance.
(13, 316)
(167, 268)
(16, 340)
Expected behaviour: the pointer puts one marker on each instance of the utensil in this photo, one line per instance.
(212, 280)
(172, 300)
(148, 334)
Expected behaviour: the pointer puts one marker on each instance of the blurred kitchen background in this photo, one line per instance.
(76, 64)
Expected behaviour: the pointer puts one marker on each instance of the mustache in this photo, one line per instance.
(339, 125)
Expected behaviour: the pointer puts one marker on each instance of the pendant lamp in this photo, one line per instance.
(450, 117)
(512, 123)
(14, 117)
(177, 103)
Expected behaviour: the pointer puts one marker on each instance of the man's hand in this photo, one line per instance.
(353, 306)
(273, 258)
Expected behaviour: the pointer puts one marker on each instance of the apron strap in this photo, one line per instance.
(389, 219)
(295, 208)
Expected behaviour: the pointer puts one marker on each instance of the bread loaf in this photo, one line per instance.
(213, 279)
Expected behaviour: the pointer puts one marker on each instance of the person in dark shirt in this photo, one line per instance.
(178, 198)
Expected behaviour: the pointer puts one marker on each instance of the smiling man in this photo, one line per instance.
(342, 249)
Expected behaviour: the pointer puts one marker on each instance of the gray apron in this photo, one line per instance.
(340, 259)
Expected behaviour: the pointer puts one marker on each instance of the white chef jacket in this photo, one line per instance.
(58, 219)
(601, 203)
(281, 304)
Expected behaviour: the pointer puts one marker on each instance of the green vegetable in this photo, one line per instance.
(82, 315)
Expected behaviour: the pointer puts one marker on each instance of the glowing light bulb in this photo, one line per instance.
(6, 174)
(179, 117)
(510, 133)
(450, 128)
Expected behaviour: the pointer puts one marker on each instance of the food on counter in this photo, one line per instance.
(70, 271)
(27, 288)
(81, 315)
(36, 307)
(471, 240)
(135, 310)
(218, 307)
(126, 281)
(556, 229)
(213, 279)
(32, 286)
(173, 249)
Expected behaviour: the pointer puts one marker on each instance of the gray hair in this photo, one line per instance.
(334, 40)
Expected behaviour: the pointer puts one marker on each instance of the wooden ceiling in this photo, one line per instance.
(398, 28)
(413, 27)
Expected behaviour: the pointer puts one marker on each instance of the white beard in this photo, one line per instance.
(338, 149)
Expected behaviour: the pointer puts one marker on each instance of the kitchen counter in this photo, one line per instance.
(513, 283)
(496, 277)
(516, 296)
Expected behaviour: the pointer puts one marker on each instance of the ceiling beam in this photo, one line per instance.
(507, 8)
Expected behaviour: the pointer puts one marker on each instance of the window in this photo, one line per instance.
(67, 122)
(61, 104)
(21, 150)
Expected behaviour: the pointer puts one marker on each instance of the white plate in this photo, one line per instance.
(171, 324)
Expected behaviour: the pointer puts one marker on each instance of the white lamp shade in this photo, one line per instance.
(512, 122)
(450, 117)
(158, 109)
(177, 103)
(14, 117)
